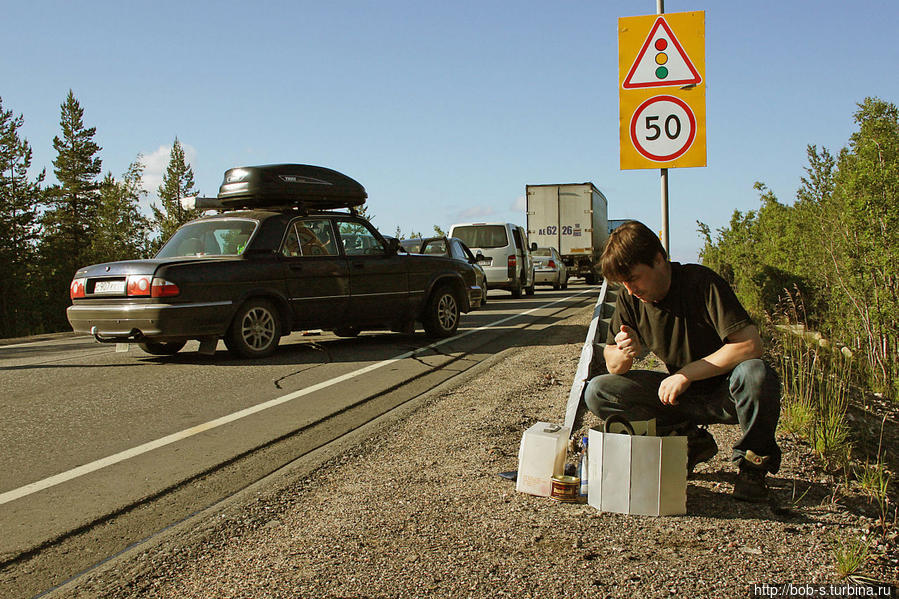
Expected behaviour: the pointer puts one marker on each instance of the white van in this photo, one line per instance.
(507, 257)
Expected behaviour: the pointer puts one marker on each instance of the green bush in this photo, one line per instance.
(838, 245)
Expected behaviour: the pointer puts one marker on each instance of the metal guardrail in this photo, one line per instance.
(587, 367)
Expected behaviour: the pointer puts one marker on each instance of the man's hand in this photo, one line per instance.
(627, 343)
(671, 387)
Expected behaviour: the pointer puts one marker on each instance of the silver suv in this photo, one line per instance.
(508, 262)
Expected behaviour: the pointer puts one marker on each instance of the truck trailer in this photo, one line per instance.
(573, 218)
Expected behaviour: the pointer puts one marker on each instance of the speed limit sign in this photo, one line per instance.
(663, 128)
(661, 90)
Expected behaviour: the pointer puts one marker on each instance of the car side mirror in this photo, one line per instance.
(534, 246)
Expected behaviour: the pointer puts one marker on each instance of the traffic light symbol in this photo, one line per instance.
(661, 58)
(661, 61)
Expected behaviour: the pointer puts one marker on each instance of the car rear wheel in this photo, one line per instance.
(442, 314)
(162, 348)
(255, 330)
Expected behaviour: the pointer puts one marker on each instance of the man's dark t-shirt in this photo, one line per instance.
(690, 323)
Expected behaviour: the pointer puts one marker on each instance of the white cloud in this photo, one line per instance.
(155, 164)
(154, 167)
(520, 204)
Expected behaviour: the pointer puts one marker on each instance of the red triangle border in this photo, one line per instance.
(663, 23)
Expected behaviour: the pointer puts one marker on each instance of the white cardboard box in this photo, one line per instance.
(637, 474)
(541, 456)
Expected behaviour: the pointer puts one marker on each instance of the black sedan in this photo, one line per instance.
(252, 276)
(453, 247)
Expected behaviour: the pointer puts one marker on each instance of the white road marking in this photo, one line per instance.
(44, 341)
(206, 426)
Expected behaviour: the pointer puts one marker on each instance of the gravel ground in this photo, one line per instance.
(417, 509)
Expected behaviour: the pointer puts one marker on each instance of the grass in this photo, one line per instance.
(830, 433)
(850, 555)
(816, 386)
(874, 479)
(815, 395)
(796, 417)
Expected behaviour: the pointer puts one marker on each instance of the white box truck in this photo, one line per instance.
(573, 218)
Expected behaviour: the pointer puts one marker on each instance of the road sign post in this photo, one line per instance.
(661, 83)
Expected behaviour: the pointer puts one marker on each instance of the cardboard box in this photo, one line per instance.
(544, 447)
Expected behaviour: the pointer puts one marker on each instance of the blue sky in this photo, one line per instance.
(445, 110)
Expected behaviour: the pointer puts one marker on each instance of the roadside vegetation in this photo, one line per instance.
(822, 276)
(837, 245)
(48, 231)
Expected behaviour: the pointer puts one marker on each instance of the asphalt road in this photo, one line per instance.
(103, 448)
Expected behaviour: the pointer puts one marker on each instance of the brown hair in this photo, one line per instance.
(630, 244)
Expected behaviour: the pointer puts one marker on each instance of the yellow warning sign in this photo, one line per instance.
(661, 61)
(661, 79)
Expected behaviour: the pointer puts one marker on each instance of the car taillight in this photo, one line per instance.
(76, 289)
(163, 288)
(552, 264)
(138, 285)
(513, 265)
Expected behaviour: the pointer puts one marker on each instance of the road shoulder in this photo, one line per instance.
(416, 508)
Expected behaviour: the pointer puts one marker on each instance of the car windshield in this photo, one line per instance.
(219, 237)
(542, 252)
(482, 236)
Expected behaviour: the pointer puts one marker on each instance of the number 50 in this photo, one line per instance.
(672, 127)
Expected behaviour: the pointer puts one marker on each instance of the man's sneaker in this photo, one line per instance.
(701, 447)
(750, 484)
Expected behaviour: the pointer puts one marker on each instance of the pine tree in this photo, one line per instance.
(177, 183)
(122, 230)
(70, 221)
(19, 198)
(73, 201)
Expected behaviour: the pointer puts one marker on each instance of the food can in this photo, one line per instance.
(566, 489)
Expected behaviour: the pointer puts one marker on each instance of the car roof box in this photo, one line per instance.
(301, 185)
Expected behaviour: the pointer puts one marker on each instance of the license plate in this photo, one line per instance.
(115, 286)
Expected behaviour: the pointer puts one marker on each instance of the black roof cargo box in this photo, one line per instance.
(311, 187)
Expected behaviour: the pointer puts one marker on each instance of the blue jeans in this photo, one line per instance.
(748, 396)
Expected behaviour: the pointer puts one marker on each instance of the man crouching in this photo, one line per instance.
(691, 319)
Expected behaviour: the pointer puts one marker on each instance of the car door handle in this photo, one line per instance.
(295, 266)
(358, 264)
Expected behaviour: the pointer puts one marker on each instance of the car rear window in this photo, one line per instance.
(434, 247)
(482, 236)
(225, 237)
(411, 245)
